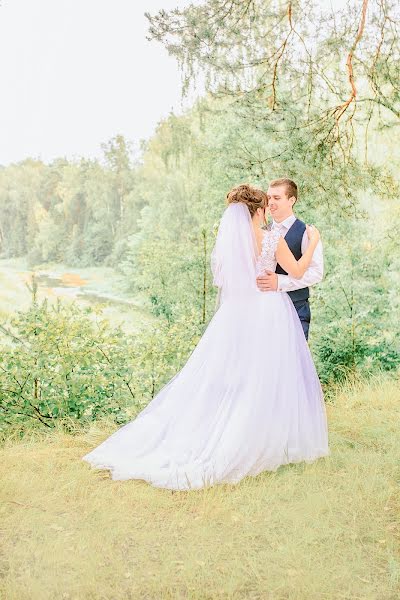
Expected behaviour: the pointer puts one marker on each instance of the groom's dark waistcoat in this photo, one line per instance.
(293, 239)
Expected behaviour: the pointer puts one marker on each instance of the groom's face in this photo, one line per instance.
(279, 203)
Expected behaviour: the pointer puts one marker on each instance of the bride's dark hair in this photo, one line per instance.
(251, 196)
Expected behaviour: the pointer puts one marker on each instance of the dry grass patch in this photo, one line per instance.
(326, 531)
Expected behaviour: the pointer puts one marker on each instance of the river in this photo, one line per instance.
(95, 286)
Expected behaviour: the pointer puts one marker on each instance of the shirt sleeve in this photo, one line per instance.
(313, 275)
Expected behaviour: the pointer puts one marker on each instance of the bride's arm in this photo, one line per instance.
(297, 268)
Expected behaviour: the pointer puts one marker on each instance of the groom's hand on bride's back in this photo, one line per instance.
(268, 282)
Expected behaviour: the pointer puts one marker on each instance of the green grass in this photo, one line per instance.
(325, 531)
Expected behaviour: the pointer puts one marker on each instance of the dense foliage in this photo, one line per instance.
(72, 211)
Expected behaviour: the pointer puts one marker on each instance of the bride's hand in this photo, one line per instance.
(313, 233)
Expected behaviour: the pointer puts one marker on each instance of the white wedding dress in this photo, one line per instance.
(247, 400)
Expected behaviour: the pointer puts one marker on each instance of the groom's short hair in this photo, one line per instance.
(291, 187)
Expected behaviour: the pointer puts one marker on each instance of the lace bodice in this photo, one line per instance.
(266, 261)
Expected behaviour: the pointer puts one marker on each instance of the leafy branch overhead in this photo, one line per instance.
(338, 67)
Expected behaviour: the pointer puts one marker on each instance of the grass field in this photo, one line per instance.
(326, 531)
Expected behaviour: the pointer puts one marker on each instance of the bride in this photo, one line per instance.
(248, 399)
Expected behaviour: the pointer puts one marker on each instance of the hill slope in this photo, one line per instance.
(326, 531)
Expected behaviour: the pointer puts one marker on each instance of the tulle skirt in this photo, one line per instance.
(247, 400)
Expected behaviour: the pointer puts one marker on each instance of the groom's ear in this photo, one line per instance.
(293, 200)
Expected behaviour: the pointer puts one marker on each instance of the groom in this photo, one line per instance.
(282, 195)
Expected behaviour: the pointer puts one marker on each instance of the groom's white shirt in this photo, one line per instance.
(315, 271)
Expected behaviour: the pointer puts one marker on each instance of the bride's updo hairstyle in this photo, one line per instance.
(252, 197)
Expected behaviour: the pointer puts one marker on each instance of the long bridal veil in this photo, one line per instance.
(233, 259)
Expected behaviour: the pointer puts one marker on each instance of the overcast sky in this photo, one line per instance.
(74, 73)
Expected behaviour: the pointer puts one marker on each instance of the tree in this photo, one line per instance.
(339, 69)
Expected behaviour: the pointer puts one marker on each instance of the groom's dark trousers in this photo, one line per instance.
(304, 312)
(300, 297)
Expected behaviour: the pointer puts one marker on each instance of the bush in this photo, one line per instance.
(63, 361)
(340, 354)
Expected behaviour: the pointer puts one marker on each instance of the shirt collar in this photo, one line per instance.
(287, 223)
